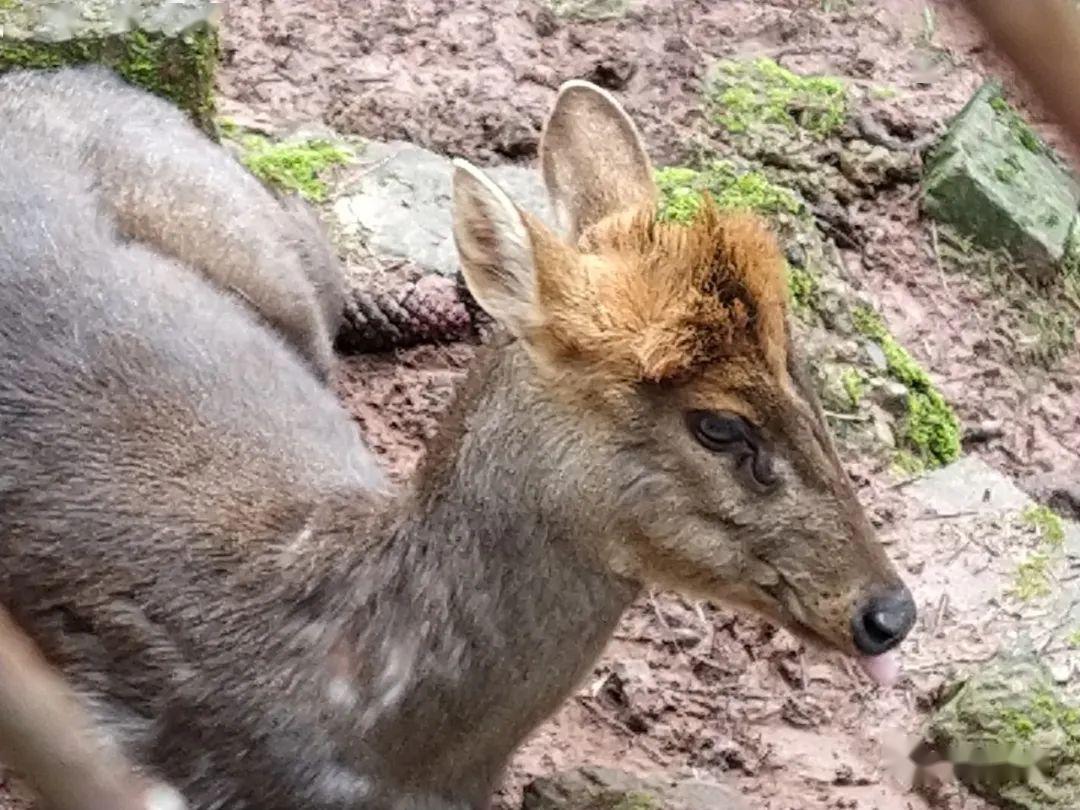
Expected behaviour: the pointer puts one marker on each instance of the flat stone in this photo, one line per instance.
(168, 47)
(401, 206)
(998, 184)
(608, 789)
(968, 485)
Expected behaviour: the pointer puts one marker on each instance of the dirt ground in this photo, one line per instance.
(686, 687)
(475, 78)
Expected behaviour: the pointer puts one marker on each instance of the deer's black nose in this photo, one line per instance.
(884, 621)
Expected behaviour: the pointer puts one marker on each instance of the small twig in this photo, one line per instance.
(907, 482)
(848, 417)
(669, 633)
(946, 515)
(939, 614)
(937, 259)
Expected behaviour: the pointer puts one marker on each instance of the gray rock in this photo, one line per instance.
(165, 46)
(872, 166)
(606, 789)
(969, 485)
(400, 208)
(875, 356)
(892, 396)
(999, 185)
(884, 426)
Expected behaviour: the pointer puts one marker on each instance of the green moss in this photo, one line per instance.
(804, 287)
(1047, 523)
(1009, 169)
(293, 166)
(637, 800)
(1041, 711)
(854, 385)
(907, 463)
(681, 189)
(1025, 136)
(930, 429)
(744, 96)
(1032, 578)
(1073, 639)
(179, 68)
(680, 194)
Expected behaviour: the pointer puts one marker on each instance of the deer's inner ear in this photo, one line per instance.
(593, 160)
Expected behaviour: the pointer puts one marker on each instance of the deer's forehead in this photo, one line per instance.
(745, 386)
(671, 299)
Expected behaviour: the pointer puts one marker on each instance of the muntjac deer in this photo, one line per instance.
(193, 534)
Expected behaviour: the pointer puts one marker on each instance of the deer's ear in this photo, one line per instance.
(592, 157)
(496, 250)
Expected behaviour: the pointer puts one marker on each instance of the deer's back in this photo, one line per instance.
(157, 447)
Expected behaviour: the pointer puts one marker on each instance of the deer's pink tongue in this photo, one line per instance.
(883, 669)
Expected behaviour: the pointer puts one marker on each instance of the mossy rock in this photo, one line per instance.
(167, 47)
(930, 428)
(995, 181)
(1013, 736)
(607, 789)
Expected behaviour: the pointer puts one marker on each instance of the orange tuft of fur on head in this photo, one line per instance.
(649, 301)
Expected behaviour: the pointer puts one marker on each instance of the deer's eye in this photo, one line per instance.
(727, 433)
(720, 432)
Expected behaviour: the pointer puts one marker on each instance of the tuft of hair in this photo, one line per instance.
(651, 301)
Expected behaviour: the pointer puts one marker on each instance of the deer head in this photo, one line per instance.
(701, 451)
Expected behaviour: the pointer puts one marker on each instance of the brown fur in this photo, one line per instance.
(646, 301)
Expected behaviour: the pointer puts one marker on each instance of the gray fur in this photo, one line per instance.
(163, 183)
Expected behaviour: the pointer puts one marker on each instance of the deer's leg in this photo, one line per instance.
(49, 740)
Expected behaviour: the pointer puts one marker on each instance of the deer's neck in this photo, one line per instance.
(482, 611)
